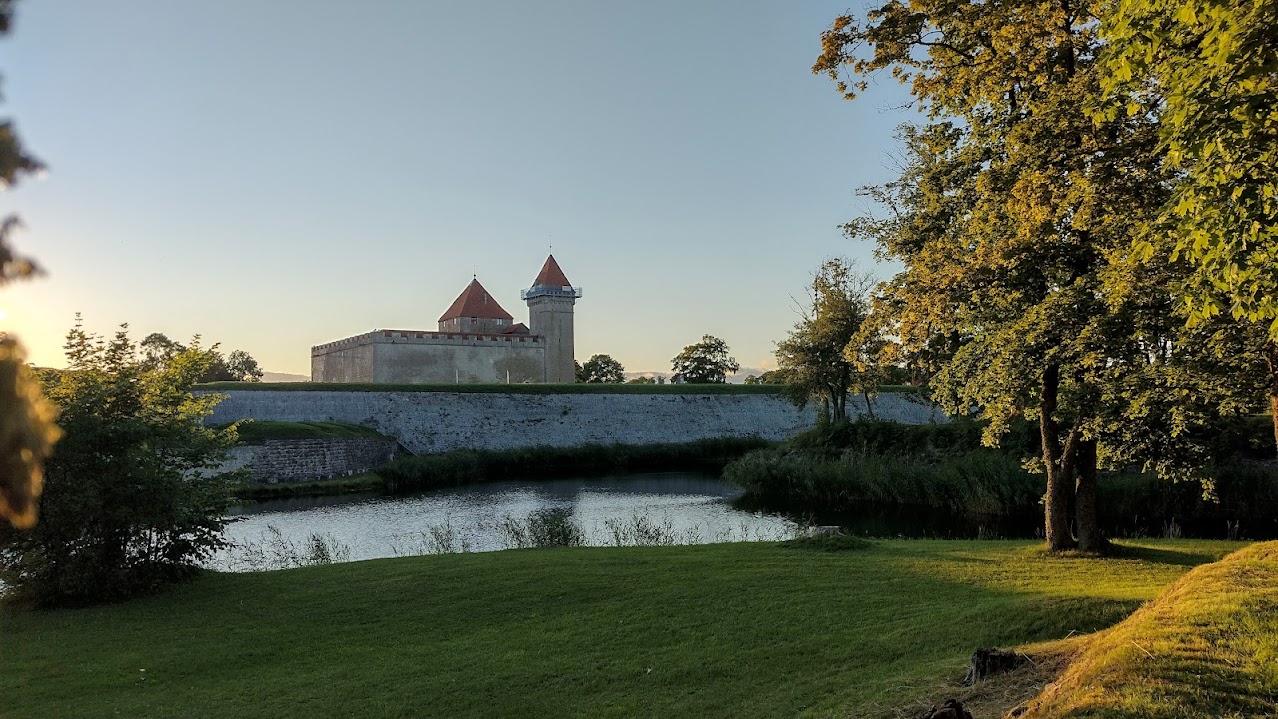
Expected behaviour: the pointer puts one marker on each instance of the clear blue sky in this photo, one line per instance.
(274, 175)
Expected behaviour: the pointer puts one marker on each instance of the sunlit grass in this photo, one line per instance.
(1207, 647)
(758, 630)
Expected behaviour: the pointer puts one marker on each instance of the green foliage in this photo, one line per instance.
(706, 362)
(732, 630)
(827, 354)
(27, 432)
(602, 369)
(27, 436)
(771, 376)
(427, 471)
(552, 527)
(239, 366)
(131, 500)
(1015, 219)
(1207, 68)
(849, 466)
(254, 431)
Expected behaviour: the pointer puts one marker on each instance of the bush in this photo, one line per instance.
(130, 499)
(543, 528)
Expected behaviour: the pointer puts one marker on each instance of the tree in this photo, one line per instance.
(578, 373)
(243, 367)
(602, 369)
(1206, 67)
(772, 376)
(131, 499)
(821, 359)
(158, 350)
(1014, 205)
(706, 362)
(27, 431)
(641, 379)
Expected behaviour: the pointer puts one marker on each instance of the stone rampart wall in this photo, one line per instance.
(427, 422)
(304, 460)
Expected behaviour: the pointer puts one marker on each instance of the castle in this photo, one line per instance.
(476, 342)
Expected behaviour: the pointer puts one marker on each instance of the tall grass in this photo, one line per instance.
(989, 482)
(428, 471)
(977, 481)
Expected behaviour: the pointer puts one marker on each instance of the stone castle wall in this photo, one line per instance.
(303, 460)
(426, 422)
(403, 356)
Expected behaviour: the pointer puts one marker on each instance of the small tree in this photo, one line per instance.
(603, 369)
(131, 499)
(158, 350)
(824, 358)
(706, 362)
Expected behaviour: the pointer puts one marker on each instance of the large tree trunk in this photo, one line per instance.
(1090, 538)
(1057, 461)
(1271, 356)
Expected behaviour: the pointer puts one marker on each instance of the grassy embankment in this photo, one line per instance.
(944, 467)
(447, 469)
(1206, 647)
(759, 630)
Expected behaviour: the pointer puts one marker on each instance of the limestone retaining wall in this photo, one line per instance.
(427, 422)
(304, 460)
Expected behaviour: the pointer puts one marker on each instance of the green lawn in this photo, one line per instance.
(750, 630)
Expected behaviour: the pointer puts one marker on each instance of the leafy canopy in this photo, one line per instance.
(602, 369)
(706, 362)
(825, 357)
(1210, 67)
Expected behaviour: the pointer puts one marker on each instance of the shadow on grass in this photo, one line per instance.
(1159, 555)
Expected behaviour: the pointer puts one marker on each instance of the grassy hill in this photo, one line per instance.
(1206, 647)
(758, 630)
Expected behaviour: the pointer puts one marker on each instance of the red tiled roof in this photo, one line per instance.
(519, 328)
(551, 275)
(474, 301)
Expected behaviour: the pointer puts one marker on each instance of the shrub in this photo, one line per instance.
(544, 528)
(130, 500)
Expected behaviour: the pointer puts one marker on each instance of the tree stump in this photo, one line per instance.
(949, 709)
(988, 661)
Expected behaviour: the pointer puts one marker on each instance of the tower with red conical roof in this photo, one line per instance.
(550, 302)
(475, 311)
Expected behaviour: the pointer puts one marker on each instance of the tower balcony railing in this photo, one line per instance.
(547, 291)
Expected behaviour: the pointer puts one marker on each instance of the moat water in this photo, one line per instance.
(656, 508)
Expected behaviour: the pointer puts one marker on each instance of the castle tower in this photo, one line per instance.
(550, 301)
(475, 311)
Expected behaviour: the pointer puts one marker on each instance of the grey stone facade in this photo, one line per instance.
(426, 422)
(304, 460)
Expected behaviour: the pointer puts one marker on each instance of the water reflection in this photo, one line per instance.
(696, 508)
